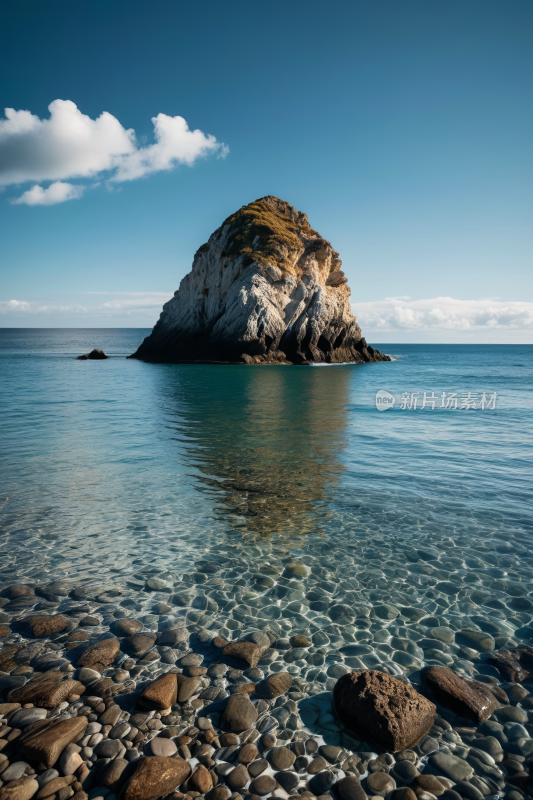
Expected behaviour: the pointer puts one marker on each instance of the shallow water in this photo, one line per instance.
(277, 497)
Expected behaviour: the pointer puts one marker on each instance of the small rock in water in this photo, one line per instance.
(93, 355)
(239, 714)
(247, 651)
(451, 767)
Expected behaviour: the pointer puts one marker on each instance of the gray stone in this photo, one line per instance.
(109, 748)
(25, 716)
(163, 747)
(46, 777)
(14, 771)
(451, 767)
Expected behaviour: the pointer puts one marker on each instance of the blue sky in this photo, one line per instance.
(403, 130)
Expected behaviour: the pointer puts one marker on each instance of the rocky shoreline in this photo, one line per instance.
(95, 703)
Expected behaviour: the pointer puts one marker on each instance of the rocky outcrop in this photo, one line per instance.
(265, 288)
(381, 708)
(94, 355)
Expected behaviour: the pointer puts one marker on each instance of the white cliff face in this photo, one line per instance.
(265, 288)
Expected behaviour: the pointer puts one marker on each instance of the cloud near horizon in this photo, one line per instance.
(438, 317)
(398, 314)
(72, 145)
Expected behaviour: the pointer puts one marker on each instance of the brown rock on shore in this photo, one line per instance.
(247, 651)
(379, 707)
(46, 694)
(99, 655)
(156, 777)
(161, 693)
(45, 741)
(46, 626)
(469, 699)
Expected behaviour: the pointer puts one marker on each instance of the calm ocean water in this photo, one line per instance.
(117, 470)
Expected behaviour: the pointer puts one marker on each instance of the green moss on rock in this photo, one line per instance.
(267, 231)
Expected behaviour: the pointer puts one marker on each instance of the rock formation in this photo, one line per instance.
(382, 709)
(265, 288)
(93, 355)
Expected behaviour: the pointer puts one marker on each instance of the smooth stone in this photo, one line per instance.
(478, 640)
(262, 785)
(46, 777)
(511, 714)
(191, 660)
(406, 794)
(161, 693)
(428, 783)
(46, 626)
(100, 655)
(404, 772)
(238, 778)
(239, 714)
(349, 788)
(257, 767)
(451, 767)
(188, 687)
(14, 771)
(25, 716)
(138, 644)
(47, 694)
(380, 784)
(201, 780)
(163, 748)
(281, 758)
(88, 676)
(246, 651)
(155, 777)
(287, 780)
(119, 731)
(127, 626)
(21, 789)
(322, 782)
(109, 748)
(300, 641)
(275, 685)
(115, 774)
(386, 611)
(47, 743)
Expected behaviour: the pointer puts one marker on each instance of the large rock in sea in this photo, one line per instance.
(382, 709)
(265, 288)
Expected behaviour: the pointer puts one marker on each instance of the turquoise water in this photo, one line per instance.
(113, 471)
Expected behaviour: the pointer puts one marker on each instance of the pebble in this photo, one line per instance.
(25, 716)
(281, 758)
(14, 771)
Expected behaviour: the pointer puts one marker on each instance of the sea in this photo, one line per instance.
(279, 497)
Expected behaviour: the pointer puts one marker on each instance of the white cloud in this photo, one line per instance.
(124, 304)
(444, 314)
(72, 145)
(175, 144)
(14, 305)
(57, 192)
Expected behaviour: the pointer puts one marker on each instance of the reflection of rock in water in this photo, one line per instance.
(266, 442)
